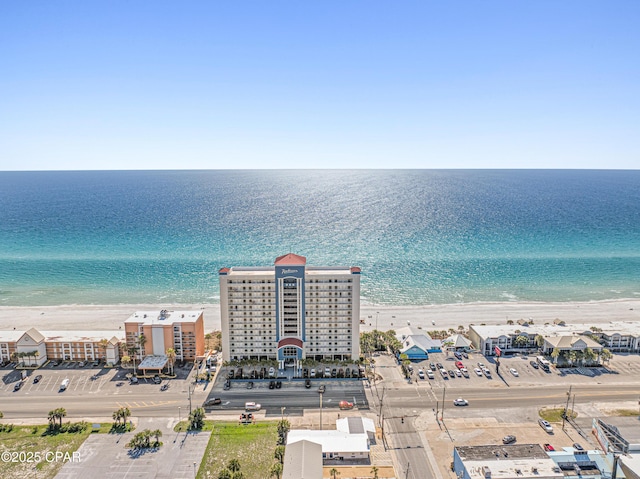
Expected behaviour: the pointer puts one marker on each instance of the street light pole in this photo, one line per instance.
(194, 469)
(179, 415)
(444, 391)
(321, 411)
(282, 413)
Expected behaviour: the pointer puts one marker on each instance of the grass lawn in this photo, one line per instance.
(555, 415)
(626, 412)
(252, 445)
(29, 442)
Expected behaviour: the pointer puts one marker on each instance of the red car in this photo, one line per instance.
(549, 447)
(459, 364)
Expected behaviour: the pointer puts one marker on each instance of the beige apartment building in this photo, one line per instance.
(290, 311)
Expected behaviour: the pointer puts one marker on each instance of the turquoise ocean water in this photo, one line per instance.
(421, 237)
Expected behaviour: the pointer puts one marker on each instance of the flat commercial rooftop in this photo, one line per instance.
(500, 461)
(163, 317)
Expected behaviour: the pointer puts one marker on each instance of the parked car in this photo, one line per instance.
(55, 364)
(313, 373)
(459, 364)
(95, 364)
(327, 372)
(227, 385)
(510, 439)
(545, 425)
(213, 402)
(457, 355)
(157, 379)
(549, 447)
(478, 371)
(420, 373)
(322, 388)
(452, 374)
(578, 447)
(82, 364)
(430, 374)
(134, 380)
(514, 372)
(465, 355)
(272, 384)
(246, 418)
(458, 373)
(250, 385)
(17, 386)
(464, 372)
(432, 366)
(439, 365)
(487, 372)
(481, 365)
(307, 383)
(164, 387)
(278, 384)
(534, 364)
(272, 372)
(37, 379)
(460, 402)
(444, 374)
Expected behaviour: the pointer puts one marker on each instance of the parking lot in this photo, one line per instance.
(622, 367)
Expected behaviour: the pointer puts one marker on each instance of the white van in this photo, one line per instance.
(64, 385)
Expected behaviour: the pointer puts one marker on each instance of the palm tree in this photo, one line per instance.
(132, 350)
(104, 343)
(334, 472)
(234, 465)
(125, 414)
(224, 474)
(171, 355)
(374, 471)
(142, 340)
(157, 434)
(554, 354)
(52, 417)
(125, 360)
(521, 341)
(571, 357)
(55, 414)
(606, 355)
(276, 470)
(589, 355)
(279, 454)
(539, 340)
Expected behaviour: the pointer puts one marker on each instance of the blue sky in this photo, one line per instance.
(319, 84)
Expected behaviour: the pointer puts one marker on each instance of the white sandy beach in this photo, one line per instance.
(101, 317)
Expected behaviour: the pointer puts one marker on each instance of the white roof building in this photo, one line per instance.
(517, 461)
(335, 444)
(302, 460)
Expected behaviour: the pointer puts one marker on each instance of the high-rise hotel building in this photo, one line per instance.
(290, 311)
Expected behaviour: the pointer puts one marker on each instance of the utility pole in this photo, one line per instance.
(408, 467)
(564, 416)
(321, 411)
(381, 399)
(444, 391)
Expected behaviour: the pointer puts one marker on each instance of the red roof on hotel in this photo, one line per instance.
(355, 269)
(290, 342)
(291, 260)
(224, 270)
